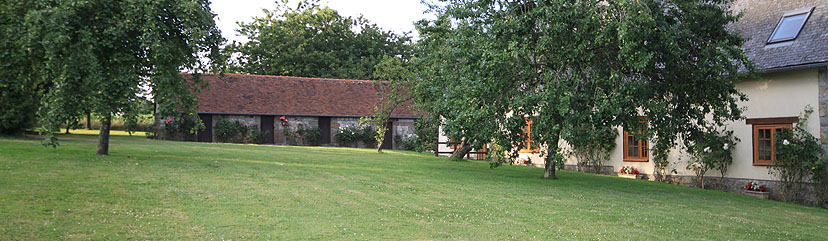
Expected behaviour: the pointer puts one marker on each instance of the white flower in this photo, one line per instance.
(785, 142)
(707, 149)
(725, 146)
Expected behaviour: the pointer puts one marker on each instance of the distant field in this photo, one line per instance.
(150, 189)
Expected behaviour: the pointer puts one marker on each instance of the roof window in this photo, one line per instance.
(790, 25)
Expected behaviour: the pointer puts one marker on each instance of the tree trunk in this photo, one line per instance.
(461, 151)
(551, 163)
(549, 169)
(103, 137)
(68, 124)
(379, 147)
(88, 121)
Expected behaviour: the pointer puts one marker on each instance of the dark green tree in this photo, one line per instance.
(109, 54)
(313, 41)
(564, 64)
(20, 90)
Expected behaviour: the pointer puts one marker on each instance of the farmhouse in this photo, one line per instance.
(327, 104)
(788, 42)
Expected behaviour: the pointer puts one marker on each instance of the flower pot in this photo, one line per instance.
(630, 176)
(757, 194)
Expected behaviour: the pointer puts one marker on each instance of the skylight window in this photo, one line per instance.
(789, 26)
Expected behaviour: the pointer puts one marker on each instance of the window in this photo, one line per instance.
(636, 150)
(530, 145)
(789, 26)
(764, 143)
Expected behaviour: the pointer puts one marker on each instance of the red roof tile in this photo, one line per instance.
(284, 95)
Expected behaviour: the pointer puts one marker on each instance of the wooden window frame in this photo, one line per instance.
(772, 128)
(643, 146)
(529, 142)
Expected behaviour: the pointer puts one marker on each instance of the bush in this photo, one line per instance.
(238, 132)
(425, 129)
(712, 151)
(301, 134)
(181, 124)
(231, 131)
(798, 157)
(592, 145)
(351, 135)
(408, 143)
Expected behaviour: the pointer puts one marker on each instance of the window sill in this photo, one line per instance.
(636, 160)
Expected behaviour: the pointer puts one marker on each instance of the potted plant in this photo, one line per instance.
(629, 172)
(756, 189)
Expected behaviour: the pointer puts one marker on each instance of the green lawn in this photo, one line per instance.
(149, 189)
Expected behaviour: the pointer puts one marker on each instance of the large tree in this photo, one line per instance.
(20, 90)
(313, 41)
(108, 54)
(570, 64)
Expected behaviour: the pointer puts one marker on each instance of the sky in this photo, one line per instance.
(394, 15)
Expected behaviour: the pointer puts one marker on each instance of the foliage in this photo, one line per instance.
(591, 145)
(426, 129)
(313, 41)
(628, 170)
(233, 131)
(180, 124)
(351, 135)
(756, 186)
(301, 134)
(310, 136)
(408, 143)
(798, 158)
(713, 150)
(392, 80)
(292, 184)
(107, 55)
(489, 65)
(20, 89)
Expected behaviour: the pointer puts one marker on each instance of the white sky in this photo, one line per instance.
(396, 15)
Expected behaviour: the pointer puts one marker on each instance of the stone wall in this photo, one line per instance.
(250, 120)
(812, 191)
(342, 122)
(403, 128)
(293, 123)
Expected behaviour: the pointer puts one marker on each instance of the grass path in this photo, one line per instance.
(149, 189)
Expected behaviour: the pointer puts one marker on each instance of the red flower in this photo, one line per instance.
(587, 146)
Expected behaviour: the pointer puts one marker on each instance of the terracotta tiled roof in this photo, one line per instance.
(760, 19)
(284, 95)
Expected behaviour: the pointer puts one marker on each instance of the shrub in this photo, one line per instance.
(302, 134)
(235, 131)
(351, 135)
(408, 143)
(798, 157)
(592, 145)
(712, 151)
(426, 128)
(181, 124)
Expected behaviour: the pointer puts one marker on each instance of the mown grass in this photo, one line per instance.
(150, 189)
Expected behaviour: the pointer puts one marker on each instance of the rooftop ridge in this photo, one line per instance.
(284, 77)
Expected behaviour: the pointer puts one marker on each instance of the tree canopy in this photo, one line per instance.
(310, 40)
(491, 66)
(109, 54)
